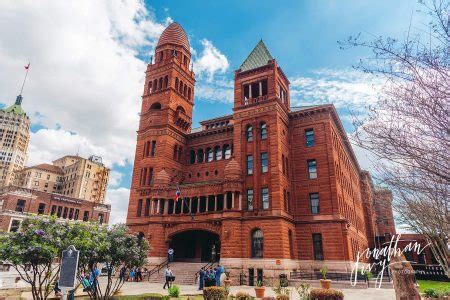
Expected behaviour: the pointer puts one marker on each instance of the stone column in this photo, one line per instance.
(198, 204)
(207, 203)
(240, 201)
(151, 206)
(215, 202)
(157, 205)
(166, 206)
(190, 204)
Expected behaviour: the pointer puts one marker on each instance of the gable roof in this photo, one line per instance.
(260, 56)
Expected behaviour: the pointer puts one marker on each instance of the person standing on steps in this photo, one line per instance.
(201, 281)
(168, 275)
(170, 255)
(217, 275)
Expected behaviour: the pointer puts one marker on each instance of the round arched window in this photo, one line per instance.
(257, 243)
(155, 105)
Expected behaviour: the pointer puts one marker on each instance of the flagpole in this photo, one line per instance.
(25, 79)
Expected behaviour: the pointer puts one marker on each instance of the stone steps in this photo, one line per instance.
(184, 273)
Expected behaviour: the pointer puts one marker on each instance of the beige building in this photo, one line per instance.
(14, 139)
(69, 175)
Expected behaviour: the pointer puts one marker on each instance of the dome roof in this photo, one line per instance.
(174, 34)
(232, 169)
(162, 178)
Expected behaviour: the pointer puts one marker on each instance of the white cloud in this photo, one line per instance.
(85, 80)
(210, 62)
(118, 198)
(344, 88)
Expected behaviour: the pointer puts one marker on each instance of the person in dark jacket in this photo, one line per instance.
(201, 281)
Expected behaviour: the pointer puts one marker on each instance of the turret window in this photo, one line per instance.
(155, 105)
(200, 156)
(192, 157)
(150, 84)
(217, 153)
(210, 154)
(166, 81)
(226, 151)
(263, 131)
(176, 83)
(249, 133)
(255, 89)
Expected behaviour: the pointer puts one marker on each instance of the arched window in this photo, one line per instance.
(150, 84)
(155, 85)
(226, 151)
(160, 83)
(249, 133)
(200, 155)
(166, 81)
(257, 243)
(192, 157)
(217, 153)
(176, 83)
(209, 154)
(263, 131)
(180, 153)
(189, 94)
(181, 87)
(185, 90)
(156, 105)
(181, 109)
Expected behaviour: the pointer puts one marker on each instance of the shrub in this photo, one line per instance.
(283, 297)
(174, 291)
(303, 290)
(242, 296)
(328, 294)
(430, 292)
(214, 293)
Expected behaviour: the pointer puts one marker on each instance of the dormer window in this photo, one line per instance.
(255, 89)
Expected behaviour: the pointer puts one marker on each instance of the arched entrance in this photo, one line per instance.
(195, 246)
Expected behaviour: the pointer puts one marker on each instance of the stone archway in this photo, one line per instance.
(195, 246)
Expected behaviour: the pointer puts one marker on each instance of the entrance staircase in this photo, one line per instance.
(184, 272)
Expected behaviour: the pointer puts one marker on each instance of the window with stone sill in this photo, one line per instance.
(257, 246)
(312, 169)
(249, 164)
(265, 198)
(250, 199)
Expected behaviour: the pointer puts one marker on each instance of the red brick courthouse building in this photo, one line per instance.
(270, 186)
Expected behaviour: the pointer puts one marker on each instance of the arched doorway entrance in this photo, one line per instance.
(195, 246)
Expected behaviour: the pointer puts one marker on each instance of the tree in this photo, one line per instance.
(407, 130)
(34, 252)
(120, 249)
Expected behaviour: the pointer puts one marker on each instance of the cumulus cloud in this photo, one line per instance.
(344, 88)
(210, 61)
(118, 198)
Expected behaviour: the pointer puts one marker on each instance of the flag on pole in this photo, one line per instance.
(27, 66)
(178, 194)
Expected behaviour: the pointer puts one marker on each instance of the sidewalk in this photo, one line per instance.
(137, 288)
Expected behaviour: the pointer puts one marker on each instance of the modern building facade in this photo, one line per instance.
(72, 176)
(14, 139)
(18, 203)
(269, 187)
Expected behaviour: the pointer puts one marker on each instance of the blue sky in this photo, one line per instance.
(88, 61)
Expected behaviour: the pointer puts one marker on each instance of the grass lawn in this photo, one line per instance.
(437, 285)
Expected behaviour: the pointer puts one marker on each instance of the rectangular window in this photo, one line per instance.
(59, 211)
(309, 137)
(77, 213)
(71, 214)
(86, 216)
(152, 152)
(249, 164)
(53, 210)
(265, 198)
(20, 206)
(139, 208)
(150, 176)
(312, 169)
(317, 245)
(41, 208)
(250, 199)
(314, 202)
(147, 207)
(100, 218)
(264, 162)
(65, 213)
(15, 226)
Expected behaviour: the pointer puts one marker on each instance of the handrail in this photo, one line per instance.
(157, 269)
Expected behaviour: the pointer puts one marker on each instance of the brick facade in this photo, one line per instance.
(18, 203)
(298, 157)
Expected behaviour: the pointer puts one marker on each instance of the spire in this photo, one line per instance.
(260, 56)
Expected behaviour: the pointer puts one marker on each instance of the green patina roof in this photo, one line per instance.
(259, 57)
(16, 108)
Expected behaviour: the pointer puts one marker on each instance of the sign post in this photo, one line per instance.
(68, 272)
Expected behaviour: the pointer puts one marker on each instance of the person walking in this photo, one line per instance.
(168, 275)
(139, 275)
(122, 273)
(170, 255)
(201, 281)
(132, 275)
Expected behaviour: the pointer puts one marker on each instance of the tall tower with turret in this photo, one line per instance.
(166, 115)
(14, 139)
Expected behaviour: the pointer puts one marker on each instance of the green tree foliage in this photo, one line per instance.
(34, 252)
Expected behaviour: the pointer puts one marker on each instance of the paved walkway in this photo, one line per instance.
(137, 288)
